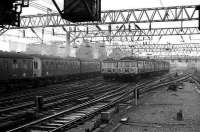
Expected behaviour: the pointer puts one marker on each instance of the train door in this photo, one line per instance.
(37, 67)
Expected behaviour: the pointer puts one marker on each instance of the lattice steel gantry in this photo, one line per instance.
(125, 25)
(144, 15)
(113, 18)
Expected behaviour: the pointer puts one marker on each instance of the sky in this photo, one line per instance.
(129, 4)
(106, 5)
(117, 4)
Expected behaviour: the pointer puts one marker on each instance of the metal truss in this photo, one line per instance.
(122, 25)
(128, 35)
(166, 48)
(181, 57)
(144, 15)
(155, 50)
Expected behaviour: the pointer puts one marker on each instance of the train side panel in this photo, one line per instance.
(89, 66)
(4, 69)
(19, 68)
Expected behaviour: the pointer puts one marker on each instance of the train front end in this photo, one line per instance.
(127, 68)
(109, 69)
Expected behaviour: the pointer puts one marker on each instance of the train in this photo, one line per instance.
(18, 69)
(130, 68)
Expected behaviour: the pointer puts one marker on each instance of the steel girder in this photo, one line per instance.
(167, 48)
(144, 15)
(157, 50)
(106, 35)
(115, 18)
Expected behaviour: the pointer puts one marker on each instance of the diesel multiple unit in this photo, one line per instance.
(129, 67)
(18, 68)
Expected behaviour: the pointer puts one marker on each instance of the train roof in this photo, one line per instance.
(109, 59)
(14, 55)
(87, 59)
(133, 58)
(53, 57)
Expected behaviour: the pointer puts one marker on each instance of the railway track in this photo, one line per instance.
(195, 79)
(47, 99)
(87, 109)
(26, 94)
(67, 118)
(17, 100)
(53, 103)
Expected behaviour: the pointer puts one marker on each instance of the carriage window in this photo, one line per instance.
(126, 64)
(15, 65)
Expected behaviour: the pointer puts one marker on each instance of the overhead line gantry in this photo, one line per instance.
(143, 15)
(125, 24)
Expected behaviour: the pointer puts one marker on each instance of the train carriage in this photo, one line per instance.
(54, 69)
(20, 70)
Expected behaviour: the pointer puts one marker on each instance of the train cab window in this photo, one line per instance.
(53, 64)
(15, 65)
(25, 66)
(120, 64)
(46, 63)
(104, 65)
(123, 64)
(126, 64)
(35, 65)
(133, 63)
(56, 64)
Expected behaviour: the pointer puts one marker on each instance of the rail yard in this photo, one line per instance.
(99, 66)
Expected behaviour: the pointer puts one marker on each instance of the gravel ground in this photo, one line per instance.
(157, 112)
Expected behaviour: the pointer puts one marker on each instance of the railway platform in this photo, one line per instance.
(163, 110)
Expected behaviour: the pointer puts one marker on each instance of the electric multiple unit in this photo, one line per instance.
(18, 68)
(132, 67)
